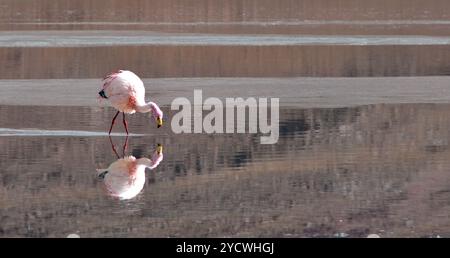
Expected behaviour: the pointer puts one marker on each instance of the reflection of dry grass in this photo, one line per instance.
(375, 171)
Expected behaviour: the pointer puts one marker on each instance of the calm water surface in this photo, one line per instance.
(348, 171)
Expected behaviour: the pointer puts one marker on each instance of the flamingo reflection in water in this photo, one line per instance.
(125, 177)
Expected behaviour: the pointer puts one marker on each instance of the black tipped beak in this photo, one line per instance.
(159, 122)
(159, 148)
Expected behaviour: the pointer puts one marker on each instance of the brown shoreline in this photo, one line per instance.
(220, 11)
(225, 61)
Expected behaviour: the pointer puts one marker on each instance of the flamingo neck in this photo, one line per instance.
(147, 107)
(150, 163)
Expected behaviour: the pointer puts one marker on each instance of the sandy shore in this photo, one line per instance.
(298, 92)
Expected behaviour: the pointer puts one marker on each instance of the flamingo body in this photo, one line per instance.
(126, 92)
(125, 178)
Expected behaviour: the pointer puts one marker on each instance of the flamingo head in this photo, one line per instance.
(157, 115)
(159, 121)
(157, 156)
(159, 149)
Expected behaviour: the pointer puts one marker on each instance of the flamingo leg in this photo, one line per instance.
(125, 123)
(112, 123)
(125, 146)
(113, 147)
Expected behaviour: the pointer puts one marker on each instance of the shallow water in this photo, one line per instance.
(344, 166)
(139, 38)
(346, 171)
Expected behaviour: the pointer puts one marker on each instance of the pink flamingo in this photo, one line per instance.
(126, 92)
(125, 177)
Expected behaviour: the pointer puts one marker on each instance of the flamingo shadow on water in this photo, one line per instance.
(125, 178)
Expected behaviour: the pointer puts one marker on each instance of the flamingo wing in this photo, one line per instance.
(124, 89)
(123, 82)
